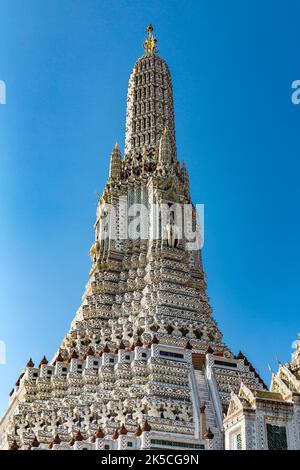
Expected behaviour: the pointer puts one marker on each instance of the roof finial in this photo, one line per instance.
(150, 42)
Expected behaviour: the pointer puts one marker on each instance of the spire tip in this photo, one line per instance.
(150, 42)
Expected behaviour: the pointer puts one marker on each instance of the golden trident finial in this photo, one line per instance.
(150, 42)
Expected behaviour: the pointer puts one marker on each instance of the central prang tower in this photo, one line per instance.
(143, 365)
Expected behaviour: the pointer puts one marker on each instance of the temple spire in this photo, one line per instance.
(149, 101)
(143, 346)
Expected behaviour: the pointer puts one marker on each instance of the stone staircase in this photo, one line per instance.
(204, 397)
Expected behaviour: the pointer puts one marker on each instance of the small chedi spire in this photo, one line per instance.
(115, 163)
(165, 152)
(43, 362)
(30, 363)
(150, 42)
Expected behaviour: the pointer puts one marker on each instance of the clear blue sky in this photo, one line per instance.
(66, 66)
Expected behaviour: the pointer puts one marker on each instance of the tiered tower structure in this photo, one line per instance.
(144, 364)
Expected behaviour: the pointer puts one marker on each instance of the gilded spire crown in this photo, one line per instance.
(150, 42)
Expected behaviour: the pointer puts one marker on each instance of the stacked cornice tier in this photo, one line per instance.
(143, 364)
